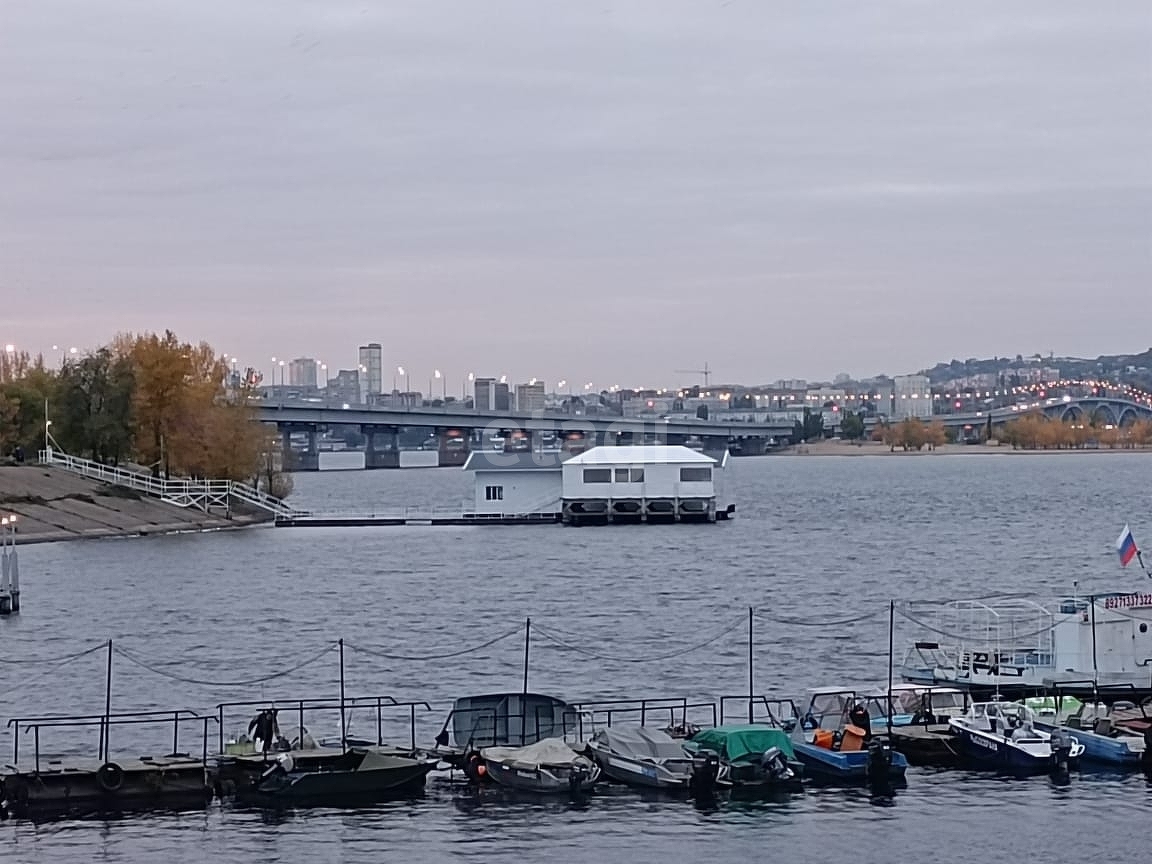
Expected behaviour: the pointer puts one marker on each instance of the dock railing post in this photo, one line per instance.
(105, 737)
(527, 643)
(751, 679)
(891, 629)
(343, 726)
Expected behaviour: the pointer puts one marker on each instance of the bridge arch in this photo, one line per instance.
(1104, 415)
(1128, 416)
(1072, 414)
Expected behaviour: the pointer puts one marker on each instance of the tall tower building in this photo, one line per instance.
(372, 359)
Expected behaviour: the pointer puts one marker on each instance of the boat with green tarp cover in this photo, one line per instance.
(749, 756)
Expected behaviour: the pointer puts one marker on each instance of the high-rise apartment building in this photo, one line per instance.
(372, 361)
(302, 372)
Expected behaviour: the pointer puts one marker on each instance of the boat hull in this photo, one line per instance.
(542, 781)
(1100, 748)
(993, 752)
(933, 745)
(641, 774)
(333, 788)
(835, 766)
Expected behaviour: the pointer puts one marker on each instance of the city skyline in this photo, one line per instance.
(559, 191)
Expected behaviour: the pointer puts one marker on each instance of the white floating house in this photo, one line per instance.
(647, 483)
(642, 483)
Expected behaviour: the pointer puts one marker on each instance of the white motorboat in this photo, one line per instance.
(1004, 736)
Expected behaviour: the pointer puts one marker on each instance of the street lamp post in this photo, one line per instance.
(464, 386)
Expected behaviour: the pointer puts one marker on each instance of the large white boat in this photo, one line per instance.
(1099, 641)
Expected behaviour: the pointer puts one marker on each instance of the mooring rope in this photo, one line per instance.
(579, 649)
(818, 622)
(446, 655)
(183, 679)
(66, 658)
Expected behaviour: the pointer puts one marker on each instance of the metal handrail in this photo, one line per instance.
(105, 722)
(179, 492)
(330, 704)
(615, 707)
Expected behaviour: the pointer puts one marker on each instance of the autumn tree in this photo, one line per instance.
(93, 415)
(935, 435)
(161, 368)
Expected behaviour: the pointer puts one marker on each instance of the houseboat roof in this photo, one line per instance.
(641, 454)
(495, 460)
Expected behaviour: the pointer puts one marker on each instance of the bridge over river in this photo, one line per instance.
(457, 430)
(1104, 410)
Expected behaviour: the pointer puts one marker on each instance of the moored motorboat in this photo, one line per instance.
(1111, 733)
(642, 756)
(550, 767)
(835, 743)
(356, 776)
(749, 757)
(1003, 736)
(914, 720)
(503, 720)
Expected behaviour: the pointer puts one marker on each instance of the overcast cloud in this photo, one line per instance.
(602, 191)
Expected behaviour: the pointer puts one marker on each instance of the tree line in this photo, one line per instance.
(146, 398)
(1036, 431)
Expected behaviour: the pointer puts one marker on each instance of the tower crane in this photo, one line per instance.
(706, 372)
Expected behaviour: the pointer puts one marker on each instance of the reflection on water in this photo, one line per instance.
(813, 538)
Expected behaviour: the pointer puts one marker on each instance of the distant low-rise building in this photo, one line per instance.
(530, 397)
(345, 388)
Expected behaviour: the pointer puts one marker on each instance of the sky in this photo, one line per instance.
(601, 191)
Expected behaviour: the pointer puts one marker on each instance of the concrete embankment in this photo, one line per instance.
(52, 505)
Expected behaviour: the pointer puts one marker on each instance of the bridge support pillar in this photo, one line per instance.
(753, 446)
(381, 446)
(307, 459)
(455, 445)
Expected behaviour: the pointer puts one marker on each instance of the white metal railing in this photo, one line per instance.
(201, 494)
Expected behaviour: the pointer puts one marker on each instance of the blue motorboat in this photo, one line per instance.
(833, 741)
(1103, 731)
(1004, 736)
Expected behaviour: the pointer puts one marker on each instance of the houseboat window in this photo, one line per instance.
(621, 475)
(494, 493)
(597, 475)
(695, 475)
(635, 475)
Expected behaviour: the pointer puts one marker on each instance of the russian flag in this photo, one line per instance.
(1126, 546)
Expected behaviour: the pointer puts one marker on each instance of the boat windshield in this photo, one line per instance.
(911, 701)
(829, 709)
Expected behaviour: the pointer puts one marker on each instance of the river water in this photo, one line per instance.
(816, 539)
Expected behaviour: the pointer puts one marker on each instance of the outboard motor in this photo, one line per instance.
(774, 764)
(1061, 745)
(576, 779)
(474, 768)
(1146, 756)
(705, 770)
(879, 768)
